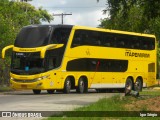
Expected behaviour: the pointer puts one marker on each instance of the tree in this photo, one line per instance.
(133, 15)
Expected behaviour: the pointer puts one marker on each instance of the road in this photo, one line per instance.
(27, 101)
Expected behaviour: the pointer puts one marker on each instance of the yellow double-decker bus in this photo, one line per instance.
(65, 57)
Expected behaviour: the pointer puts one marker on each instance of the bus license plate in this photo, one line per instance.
(24, 86)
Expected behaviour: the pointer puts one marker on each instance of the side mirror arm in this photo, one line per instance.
(43, 51)
(5, 49)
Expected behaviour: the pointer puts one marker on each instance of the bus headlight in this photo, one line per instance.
(41, 78)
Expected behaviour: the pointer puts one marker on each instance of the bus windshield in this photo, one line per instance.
(27, 63)
(30, 63)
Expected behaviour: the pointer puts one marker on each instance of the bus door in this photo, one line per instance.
(108, 77)
(112, 72)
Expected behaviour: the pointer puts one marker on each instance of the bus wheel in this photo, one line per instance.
(138, 85)
(81, 85)
(36, 91)
(128, 86)
(50, 91)
(67, 85)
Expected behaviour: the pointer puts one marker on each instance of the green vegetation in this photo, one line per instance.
(5, 89)
(150, 93)
(98, 110)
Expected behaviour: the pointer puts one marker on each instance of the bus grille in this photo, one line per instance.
(24, 81)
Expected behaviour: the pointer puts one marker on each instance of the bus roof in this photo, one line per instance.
(50, 25)
(95, 29)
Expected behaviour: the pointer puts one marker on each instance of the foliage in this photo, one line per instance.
(13, 16)
(133, 15)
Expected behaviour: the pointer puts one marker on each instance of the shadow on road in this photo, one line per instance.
(44, 92)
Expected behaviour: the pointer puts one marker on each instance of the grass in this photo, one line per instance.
(114, 106)
(150, 93)
(5, 89)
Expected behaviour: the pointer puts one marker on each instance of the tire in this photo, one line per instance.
(128, 86)
(139, 85)
(81, 85)
(50, 91)
(36, 91)
(67, 85)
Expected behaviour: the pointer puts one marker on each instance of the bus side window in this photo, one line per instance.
(85, 38)
(114, 42)
(96, 38)
(121, 44)
(150, 44)
(105, 40)
(109, 40)
(137, 45)
(76, 39)
(51, 63)
(152, 47)
(145, 45)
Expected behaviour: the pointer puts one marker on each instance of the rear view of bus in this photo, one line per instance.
(37, 50)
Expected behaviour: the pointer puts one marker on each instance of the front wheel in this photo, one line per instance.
(36, 91)
(67, 85)
(128, 86)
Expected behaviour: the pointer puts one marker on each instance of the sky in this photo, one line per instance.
(84, 12)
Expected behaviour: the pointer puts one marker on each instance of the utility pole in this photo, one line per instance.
(25, 0)
(62, 15)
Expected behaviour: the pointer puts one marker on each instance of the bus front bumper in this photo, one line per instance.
(20, 85)
(42, 83)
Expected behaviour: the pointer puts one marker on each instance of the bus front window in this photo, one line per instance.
(27, 63)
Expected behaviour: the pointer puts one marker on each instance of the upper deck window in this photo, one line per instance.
(115, 40)
(60, 35)
(33, 37)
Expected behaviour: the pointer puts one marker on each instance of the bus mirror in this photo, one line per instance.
(5, 49)
(43, 51)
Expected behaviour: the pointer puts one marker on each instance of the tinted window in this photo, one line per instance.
(27, 63)
(97, 65)
(54, 58)
(60, 35)
(128, 41)
(107, 39)
(86, 37)
(33, 37)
